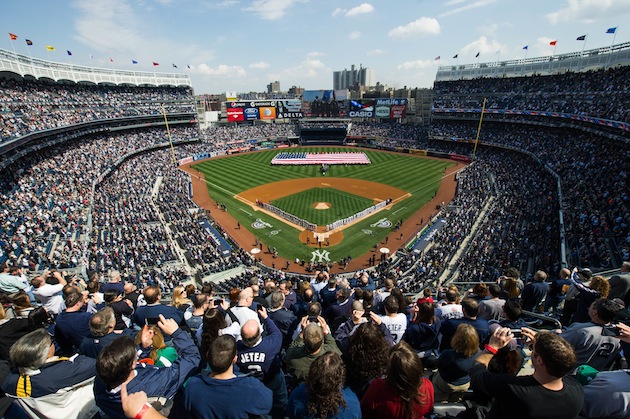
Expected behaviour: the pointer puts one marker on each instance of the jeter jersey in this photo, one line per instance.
(396, 325)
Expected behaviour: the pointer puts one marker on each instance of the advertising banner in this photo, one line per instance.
(267, 113)
(361, 109)
(398, 111)
(251, 114)
(291, 108)
(235, 115)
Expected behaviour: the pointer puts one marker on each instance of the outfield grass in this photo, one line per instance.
(342, 204)
(228, 177)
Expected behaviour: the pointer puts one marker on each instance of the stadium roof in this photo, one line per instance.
(23, 65)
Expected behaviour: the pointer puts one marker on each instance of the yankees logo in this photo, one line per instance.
(260, 224)
(321, 255)
(382, 223)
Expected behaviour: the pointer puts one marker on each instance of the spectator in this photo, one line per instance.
(404, 393)
(123, 309)
(48, 386)
(395, 322)
(284, 319)
(152, 349)
(589, 340)
(470, 308)
(117, 364)
(48, 290)
(154, 308)
(620, 284)
(422, 334)
(313, 341)
(180, 299)
(452, 378)
(194, 317)
(451, 309)
(226, 388)
(492, 308)
(557, 290)
(525, 396)
(72, 324)
(324, 394)
(102, 333)
(115, 283)
(535, 292)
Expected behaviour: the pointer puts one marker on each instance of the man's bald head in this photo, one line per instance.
(245, 297)
(250, 333)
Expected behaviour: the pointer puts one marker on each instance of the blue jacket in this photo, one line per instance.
(92, 346)
(70, 330)
(263, 360)
(297, 407)
(155, 381)
(239, 397)
(54, 375)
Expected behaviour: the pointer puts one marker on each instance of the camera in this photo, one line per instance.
(518, 333)
(151, 321)
(313, 319)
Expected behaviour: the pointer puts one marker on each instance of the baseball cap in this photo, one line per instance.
(586, 272)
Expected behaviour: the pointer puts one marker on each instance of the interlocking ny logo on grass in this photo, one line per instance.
(382, 223)
(321, 255)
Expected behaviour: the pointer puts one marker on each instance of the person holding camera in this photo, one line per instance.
(313, 341)
(48, 289)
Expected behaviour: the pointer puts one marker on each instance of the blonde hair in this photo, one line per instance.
(179, 297)
(156, 344)
(465, 340)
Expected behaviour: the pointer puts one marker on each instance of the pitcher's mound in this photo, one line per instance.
(321, 205)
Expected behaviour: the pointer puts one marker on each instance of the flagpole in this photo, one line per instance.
(168, 131)
(614, 36)
(15, 54)
(483, 108)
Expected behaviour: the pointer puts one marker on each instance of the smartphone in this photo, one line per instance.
(313, 319)
(151, 321)
(258, 306)
(611, 331)
(518, 333)
(218, 301)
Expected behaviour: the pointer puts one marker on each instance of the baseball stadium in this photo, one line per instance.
(507, 181)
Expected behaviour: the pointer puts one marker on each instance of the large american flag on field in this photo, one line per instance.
(288, 158)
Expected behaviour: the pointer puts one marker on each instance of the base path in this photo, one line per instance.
(247, 240)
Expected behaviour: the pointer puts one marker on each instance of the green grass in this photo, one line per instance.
(227, 177)
(342, 203)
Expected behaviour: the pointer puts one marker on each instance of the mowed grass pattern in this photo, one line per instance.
(227, 177)
(342, 205)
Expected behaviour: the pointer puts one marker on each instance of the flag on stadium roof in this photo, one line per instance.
(13, 36)
(111, 60)
(455, 56)
(437, 58)
(29, 42)
(69, 53)
(581, 38)
(553, 43)
(188, 66)
(134, 62)
(612, 30)
(50, 48)
(477, 56)
(154, 63)
(526, 47)
(174, 66)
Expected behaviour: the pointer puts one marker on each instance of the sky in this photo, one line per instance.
(243, 45)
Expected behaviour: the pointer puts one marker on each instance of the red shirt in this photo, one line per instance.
(383, 401)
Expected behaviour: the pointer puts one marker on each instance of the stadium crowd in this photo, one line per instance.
(599, 93)
(323, 346)
(27, 107)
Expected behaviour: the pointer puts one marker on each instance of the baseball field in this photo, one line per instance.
(241, 182)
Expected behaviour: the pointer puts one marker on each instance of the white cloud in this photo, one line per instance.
(308, 69)
(222, 70)
(338, 11)
(354, 35)
(417, 65)
(483, 46)
(315, 54)
(470, 5)
(361, 9)
(259, 65)
(270, 9)
(376, 52)
(419, 27)
(589, 11)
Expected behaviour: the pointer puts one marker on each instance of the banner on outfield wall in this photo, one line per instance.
(419, 152)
